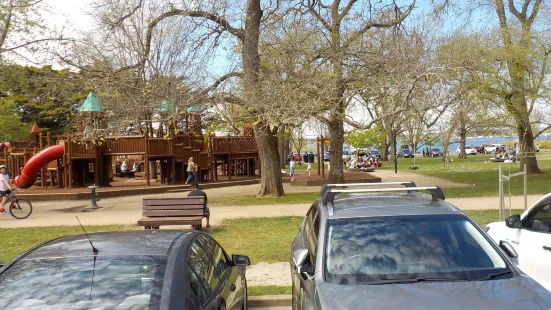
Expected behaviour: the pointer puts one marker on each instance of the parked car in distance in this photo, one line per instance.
(346, 155)
(477, 148)
(404, 153)
(376, 153)
(536, 148)
(530, 235)
(435, 152)
(399, 248)
(297, 156)
(326, 156)
(151, 269)
(490, 148)
(468, 150)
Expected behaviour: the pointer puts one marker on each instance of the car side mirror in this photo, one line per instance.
(2, 264)
(509, 250)
(513, 221)
(300, 257)
(240, 260)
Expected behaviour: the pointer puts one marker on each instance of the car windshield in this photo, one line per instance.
(374, 152)
(436, 149)
(81, 283)
(444, 247)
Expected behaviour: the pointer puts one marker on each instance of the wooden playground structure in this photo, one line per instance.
(83, 164)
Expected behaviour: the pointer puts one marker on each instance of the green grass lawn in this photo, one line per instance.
(262, 239)
(269, 290)
(480, 174)
(253, 200)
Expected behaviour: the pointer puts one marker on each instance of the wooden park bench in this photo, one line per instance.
(172, 211)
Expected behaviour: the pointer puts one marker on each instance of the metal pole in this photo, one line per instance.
(500, 182)
(525, 188)
(395, 152)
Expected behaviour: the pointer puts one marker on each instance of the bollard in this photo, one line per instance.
(93, 203)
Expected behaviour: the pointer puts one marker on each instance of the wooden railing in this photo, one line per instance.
(125, 145)
(76, 150)
(190, 140)
(160, 147)
(233, 145)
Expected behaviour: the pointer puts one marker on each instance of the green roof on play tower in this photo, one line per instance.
(90, 104)
(166, 107)
(194, 108)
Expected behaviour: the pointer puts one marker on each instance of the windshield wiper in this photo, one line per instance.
(414, 280)
(494, 275)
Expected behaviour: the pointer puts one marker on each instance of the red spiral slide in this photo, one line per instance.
(28, 175)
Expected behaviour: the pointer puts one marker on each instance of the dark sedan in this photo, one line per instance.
(126, 270)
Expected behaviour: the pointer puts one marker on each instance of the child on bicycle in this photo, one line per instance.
(5, 187)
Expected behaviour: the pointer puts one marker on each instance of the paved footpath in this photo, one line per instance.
(127, 210)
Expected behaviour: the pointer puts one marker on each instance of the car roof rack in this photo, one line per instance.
(327, 187)
(436, 192)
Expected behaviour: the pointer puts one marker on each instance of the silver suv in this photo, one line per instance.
(362, 247)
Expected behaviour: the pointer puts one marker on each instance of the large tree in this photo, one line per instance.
(343, 24)
(212, 20)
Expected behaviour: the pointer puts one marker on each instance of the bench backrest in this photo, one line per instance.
(177, 207)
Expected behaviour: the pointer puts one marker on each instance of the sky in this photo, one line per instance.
(72, 11)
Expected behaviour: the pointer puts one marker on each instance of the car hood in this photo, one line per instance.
(516, 293)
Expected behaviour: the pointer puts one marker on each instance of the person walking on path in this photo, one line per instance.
(206, 211)
(309, 168)
(190, 170)
(195, 184)
(292, 167)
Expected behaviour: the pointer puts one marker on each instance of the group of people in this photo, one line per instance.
(292, 163)
(366, 161)
(192, 173)
(125, 166)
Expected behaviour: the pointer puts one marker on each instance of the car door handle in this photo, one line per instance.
(233, 287)
(547, 247)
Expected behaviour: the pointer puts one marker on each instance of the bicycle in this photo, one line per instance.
(19, 208)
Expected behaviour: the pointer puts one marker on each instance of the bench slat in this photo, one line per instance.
(174, 207)
(160, 221)
(165, 213)
(173, 201)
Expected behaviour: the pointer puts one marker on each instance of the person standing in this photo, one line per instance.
(292, 167)
(309, 168)
(5, 187)
(206, 211)
(190, 170)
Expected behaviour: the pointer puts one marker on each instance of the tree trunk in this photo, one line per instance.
(527, 151)
(462, 141)
(281, 148)
(266, 140)
(384, 154)
(393, 150)
(271, 182)
(336, 132)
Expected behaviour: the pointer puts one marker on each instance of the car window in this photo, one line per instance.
(312, 231)
(200, 270)
(120, 282)
(217, 258)
(539, 219)
(366, 250)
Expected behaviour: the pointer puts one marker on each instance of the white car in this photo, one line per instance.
(489, 149)
(530, 235)
(468, 150)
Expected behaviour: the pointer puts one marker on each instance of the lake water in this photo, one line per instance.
(480, 141)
